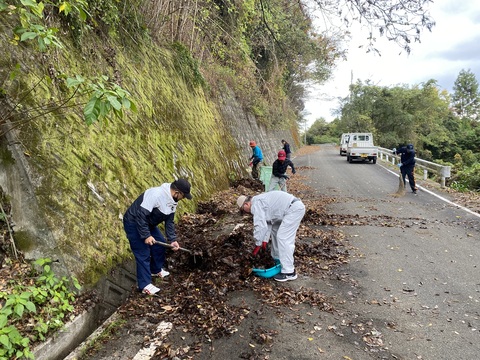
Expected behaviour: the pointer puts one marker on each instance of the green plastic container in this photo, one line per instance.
(265, 175)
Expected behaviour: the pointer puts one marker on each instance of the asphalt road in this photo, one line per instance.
(419, 282)
(410, 289)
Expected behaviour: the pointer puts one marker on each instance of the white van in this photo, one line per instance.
(343, 143)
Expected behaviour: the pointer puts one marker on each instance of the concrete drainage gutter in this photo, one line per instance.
(145, 353)
(78, 352)
(112, 290)
(62, 343)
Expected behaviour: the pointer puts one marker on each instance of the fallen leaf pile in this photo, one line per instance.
(221, 238)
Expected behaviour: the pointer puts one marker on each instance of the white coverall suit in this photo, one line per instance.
(277, 213)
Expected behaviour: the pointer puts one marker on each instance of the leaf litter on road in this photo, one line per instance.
(195, 299)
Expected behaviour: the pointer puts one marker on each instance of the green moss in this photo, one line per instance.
(90, 175)
(24, 240)
(6, 157)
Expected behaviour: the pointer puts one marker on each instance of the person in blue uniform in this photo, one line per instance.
(140, 222)
(407, 165)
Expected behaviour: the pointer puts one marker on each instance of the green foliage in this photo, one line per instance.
(466, 95)
(187, 66)
(458, 186)
(325, 139)
(74, 7)
(46, 304)
(104, 12)
(467, 179)
(321, 133)
(45, 37)
(357, 110)
(105, 97)
(30, 15)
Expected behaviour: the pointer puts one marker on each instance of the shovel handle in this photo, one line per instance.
(170, 246)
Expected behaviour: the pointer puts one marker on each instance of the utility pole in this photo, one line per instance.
(305, 133)
(351, 83)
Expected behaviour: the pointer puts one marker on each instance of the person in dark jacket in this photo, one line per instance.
(407, 165)
(279, 169)
(286, 148)
(140, 222)
(256, 159)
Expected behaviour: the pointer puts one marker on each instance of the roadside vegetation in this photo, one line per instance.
(34, 301)
(443, 127)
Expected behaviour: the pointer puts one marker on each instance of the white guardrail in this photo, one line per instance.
(442, 171)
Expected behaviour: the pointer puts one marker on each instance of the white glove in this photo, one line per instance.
(394, 150)
(399, 165)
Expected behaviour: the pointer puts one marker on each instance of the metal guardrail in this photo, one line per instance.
(442, 171)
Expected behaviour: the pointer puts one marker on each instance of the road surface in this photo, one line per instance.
(419, 283)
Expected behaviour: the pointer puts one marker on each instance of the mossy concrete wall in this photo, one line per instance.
(70, 183)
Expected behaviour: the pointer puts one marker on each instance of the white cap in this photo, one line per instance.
(241, 199)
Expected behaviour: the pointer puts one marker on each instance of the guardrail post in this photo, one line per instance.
(425, 174)
(444, 173)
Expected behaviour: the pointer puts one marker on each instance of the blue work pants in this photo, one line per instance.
(149, 258)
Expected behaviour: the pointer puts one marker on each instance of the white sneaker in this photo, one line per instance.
(150, 289)
(162, 274)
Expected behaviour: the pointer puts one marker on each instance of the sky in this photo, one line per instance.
(452, 45)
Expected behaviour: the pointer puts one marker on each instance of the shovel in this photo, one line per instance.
(171, 247)
(195, 259)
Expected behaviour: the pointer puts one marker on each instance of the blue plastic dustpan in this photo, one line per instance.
(268, 273)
